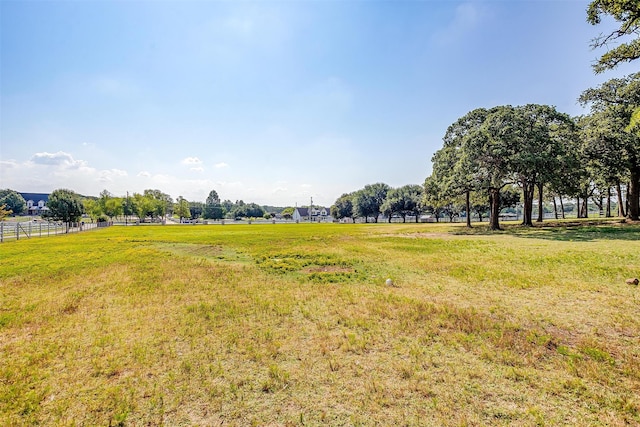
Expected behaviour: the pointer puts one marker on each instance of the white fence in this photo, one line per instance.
(27, 230)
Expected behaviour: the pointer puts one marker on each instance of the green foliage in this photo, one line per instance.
(403, 201)
(627, 13)
(489, 149)
(4, 212)
(613, 150)
(212, 207)
(634, 125)
(245, 210)
(343, 206)
(368, 201)
(64, 205)
(287, 213)
(181, 208)
(13, 201)
(92, 208)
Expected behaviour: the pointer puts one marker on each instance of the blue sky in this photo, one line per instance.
(271, 102)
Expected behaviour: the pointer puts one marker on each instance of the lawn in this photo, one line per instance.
(293, 324)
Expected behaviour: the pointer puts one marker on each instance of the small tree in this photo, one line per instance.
(343, 207)
(4, 212)
(64, 205)
(212, 206)
(287, 213)
(13, 201)
(92, 208)
(181, 208)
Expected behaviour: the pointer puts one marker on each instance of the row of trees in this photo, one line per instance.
(214, 208)
(155, 205)
(68, 206)
(541, 149)
(379, 199)
(411, 200)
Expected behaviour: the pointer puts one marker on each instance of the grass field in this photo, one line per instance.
(294, 325)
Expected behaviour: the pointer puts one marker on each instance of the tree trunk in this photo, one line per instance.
(634, 195)
(627, 202)
(555, 207)
(527, 209)
(468, 207)
(585, 208)
(540, 207)
(389, 219)
(562, 207)
(480, 216)
(608, 213)
(578, 208)
(494, 196)
(620, 202)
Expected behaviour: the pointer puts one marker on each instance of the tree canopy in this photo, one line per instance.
(13, 201)
(613, 104)
(64, 205)
(627, 13)
(212, 206)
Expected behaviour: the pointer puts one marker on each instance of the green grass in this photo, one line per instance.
(292, 324)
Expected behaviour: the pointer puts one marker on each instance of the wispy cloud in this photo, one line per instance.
(467, 17)
(9, 164)
(110, 174)
(198, 169)
(221, 165)
(144, 174)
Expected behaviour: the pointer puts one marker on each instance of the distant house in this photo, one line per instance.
(36, 202)
(300, 214)
(315, 214)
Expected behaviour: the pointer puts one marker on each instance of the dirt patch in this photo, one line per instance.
(328, 269)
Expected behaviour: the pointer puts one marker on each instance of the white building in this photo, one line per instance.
(315, 214)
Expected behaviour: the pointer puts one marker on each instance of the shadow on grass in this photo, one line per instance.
(568, 231)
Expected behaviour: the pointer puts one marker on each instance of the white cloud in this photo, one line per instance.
(144, 174)
(61, 159)
(198, 169)
(221, 165)
(191, 161)
(9, 164)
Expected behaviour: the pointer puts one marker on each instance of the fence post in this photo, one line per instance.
(2, 232)
(40, 229)
(17, 231)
